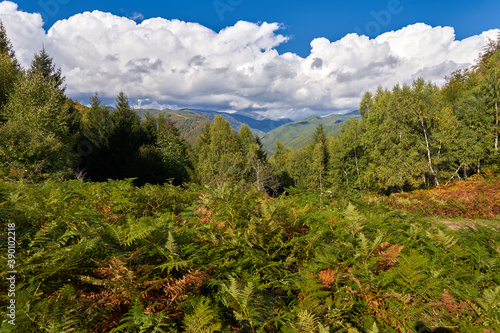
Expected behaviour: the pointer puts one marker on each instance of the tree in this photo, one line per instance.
(43, 64)
(474, 142)
(491, 88)
(258, 169)
(9, 75)
(5, 44)
(175, 152)
(9, 70)
(365, 104)
(346, 155)
(319, 156)
(219, 155)
(36, 132)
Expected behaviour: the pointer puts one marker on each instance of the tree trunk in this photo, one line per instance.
(496, 125)
(434, 173)
(356, 158)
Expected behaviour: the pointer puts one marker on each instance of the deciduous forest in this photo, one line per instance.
(121, 225)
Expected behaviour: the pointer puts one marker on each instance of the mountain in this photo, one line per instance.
(298, 134)
(191, 122)
(294, 135)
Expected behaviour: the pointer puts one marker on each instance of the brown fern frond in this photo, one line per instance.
(327, 277)
(115, 270)
(169, 291)
(388, 254)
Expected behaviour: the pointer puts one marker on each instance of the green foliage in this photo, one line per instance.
(222, 255)
(297, 135)
(9, 74)
(36, 133)
(115, 257)
(175, 153)
(43, 65)
(202, 319)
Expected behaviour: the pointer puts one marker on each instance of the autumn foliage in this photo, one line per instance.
(479, 197)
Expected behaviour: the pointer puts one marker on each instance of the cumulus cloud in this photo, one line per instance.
(171, 62)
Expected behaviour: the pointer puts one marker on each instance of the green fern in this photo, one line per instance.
(488, 304)
(137, 320)
(240, 298)
(202, 319)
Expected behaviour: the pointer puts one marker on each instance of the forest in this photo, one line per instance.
(121, 225)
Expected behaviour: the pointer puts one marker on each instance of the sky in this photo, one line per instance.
(270, 59)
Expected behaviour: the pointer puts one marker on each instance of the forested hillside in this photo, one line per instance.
(115, 222)
(298, 134)
(190, 123)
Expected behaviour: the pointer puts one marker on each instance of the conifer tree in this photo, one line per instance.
(36, 133)
(175, 152)
(9, 70)
(43, 64)
(5, 44)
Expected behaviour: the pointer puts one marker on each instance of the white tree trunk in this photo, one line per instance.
(434, 173)
(496, 125)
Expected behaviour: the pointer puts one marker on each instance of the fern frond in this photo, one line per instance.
(490, 299)
(202, 320)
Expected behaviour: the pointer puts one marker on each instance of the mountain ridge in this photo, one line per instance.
(293, 134)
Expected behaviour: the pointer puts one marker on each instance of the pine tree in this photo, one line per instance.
(36, 133)
(175, 152)
(9, 70)
(5, 44)
(43, 64)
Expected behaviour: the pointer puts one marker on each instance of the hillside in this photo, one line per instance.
(294, 135)
(191, 122)
(298, 134)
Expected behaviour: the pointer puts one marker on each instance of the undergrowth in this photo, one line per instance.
(479, 197)
(112, 257)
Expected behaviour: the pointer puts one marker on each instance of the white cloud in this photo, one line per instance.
(170, 62)
(137, 16)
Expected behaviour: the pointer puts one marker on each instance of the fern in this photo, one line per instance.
(241, 298)
(306, 321)
(202, 319)
(355, 219)
(489, 304)
(139, 321)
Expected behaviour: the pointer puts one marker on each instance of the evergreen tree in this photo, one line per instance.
(9, 70)
(175, 153)
(5, 44)
(43, 64)
(36, 132)
(97, 126)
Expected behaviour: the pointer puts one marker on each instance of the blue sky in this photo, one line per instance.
(302, 20)
(263, 58)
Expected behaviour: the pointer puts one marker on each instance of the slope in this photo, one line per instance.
(298, 134)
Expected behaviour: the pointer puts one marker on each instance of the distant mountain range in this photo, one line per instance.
(293, 134)
(298, 134)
